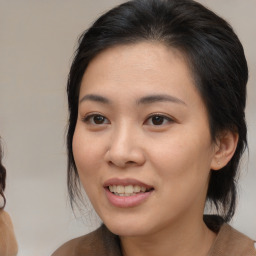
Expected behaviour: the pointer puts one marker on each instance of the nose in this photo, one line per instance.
(125, 148)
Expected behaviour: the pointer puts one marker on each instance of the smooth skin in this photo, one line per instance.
(8, 243)
(140, 116)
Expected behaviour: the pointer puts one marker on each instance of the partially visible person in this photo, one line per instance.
(156, 94)
(8, 243)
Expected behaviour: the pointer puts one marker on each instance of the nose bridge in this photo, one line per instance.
(125, 145)
(122, 137)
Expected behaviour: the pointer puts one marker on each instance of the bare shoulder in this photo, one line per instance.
(5, 218)
(8, 243)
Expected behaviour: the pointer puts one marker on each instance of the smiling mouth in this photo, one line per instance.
(129, 190)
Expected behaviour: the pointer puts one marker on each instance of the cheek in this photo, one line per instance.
(88, 154)
(184, 174)
(183, 160)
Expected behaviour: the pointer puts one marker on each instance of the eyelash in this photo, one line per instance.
(88, 119)
(164, 118)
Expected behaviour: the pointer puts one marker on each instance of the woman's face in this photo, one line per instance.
(142, 144)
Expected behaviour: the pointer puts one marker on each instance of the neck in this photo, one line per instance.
(181, 239)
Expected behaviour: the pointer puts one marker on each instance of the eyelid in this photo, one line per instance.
(165, 116)
(86, 118)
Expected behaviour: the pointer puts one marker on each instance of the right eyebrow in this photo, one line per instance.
(160, 98)
(95, 98)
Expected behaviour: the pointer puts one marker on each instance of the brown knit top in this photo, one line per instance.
(102, 242)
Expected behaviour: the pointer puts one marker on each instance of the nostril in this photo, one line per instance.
(121, 157)
(130, 162)
(121, 164)
(110, 163)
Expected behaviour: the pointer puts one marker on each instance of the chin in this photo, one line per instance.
(126, 230)
(127, 227)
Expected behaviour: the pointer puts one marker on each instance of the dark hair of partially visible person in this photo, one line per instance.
(216, 60)
(2, 179)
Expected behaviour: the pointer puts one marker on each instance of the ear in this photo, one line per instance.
(224, 149)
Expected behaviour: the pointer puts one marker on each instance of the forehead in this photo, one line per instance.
(125, 74)
(145, 63)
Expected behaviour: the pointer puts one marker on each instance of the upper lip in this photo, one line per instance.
(126, 182)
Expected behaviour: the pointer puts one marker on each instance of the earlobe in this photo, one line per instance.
(224, 150)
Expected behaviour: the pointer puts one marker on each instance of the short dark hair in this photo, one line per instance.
(215, 57)
(2, 178)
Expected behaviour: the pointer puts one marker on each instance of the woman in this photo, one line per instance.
(8, 244)
(156, 93)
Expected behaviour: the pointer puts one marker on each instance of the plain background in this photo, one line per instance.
(37, 41)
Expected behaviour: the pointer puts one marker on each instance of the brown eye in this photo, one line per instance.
(96, 119)
(158, 120)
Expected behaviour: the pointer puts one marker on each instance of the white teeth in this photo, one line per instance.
(126, 190)
(132, 194)
(136, 189)
(143, 189)
(120, 189)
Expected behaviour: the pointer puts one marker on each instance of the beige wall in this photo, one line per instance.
(37, 40)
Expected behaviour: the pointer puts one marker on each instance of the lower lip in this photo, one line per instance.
(127, 201)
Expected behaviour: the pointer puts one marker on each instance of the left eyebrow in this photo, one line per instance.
(95, 98)
(160, 98)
